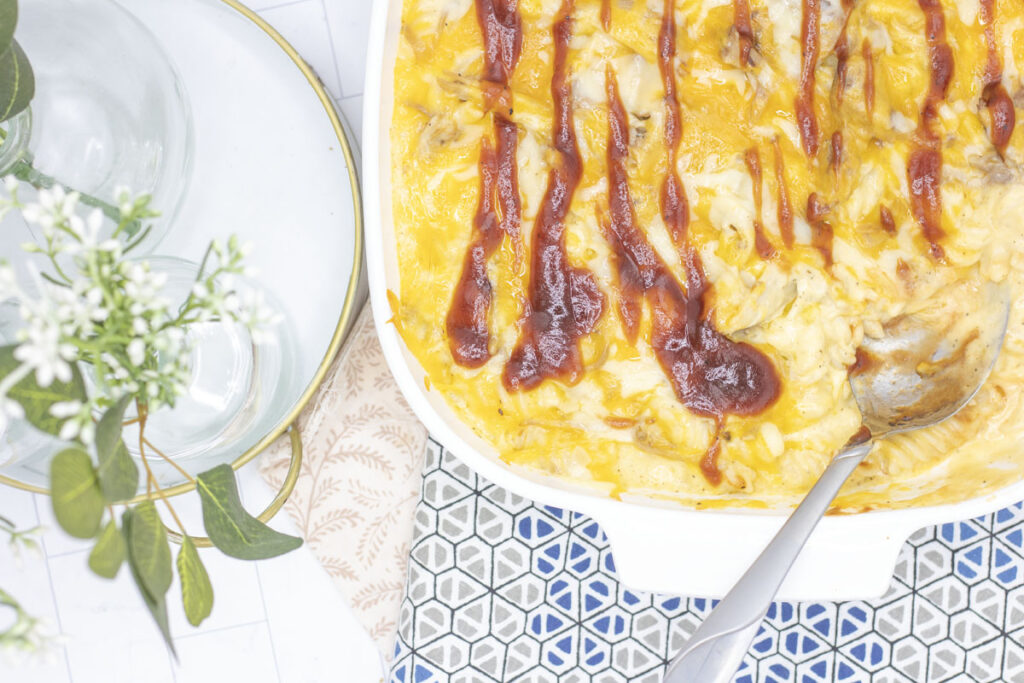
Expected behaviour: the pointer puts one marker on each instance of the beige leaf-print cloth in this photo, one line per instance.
(361, 471)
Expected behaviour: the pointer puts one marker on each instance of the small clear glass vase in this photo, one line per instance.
(109, 110)
(231, 396)
(232, 384)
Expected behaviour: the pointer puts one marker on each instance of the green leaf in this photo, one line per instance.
(196, 591)
(17, 84)
(75, 493)
(148, 548)
(36, 400)
(118, 473)
(233, 530)
(8, 20)
(157, 604)
(108, 553)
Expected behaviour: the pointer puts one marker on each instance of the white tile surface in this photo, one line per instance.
(110, 635)
(349, 21)
(314, 632)
(27, 578)
(242, 653)
(279, 621)
(304, 25)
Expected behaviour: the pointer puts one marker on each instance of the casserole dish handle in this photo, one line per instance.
(704, 554)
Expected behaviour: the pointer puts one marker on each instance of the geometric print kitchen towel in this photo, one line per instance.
(501, 589)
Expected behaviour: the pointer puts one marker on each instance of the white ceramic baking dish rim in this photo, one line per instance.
(656, 547)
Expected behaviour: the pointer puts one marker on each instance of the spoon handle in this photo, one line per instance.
(734, 621)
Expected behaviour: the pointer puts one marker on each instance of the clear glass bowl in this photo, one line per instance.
(109, 109)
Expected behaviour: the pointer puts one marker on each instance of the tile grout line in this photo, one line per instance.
(65, 553)
(172, 663)
(220, 629)
(280, 5)
(334, 53)
(270, 630)
(53, 593)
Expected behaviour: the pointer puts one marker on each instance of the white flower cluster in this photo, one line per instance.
(106, 312)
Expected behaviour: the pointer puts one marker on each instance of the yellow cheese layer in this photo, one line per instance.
(621, 426)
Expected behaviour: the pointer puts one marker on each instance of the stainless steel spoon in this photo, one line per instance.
(925, 368)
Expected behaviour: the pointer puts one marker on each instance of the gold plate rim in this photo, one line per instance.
(353, 285)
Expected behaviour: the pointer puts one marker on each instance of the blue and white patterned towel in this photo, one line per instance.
(501, 589)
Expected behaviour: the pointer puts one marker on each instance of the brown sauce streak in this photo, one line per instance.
(762, 244)
(924, 167)
(712, 375)
(821, 230)
(994, 96)
(837, 151)
(863, 362)
(785, 207)
(502, 31)
(905, 274)
(709, 463)
(860, 436)
(842, 50)
(809, 38)
(564, 301)
(741, 20)
(466, 322)
(869, 76)
(888, 223)
(619, 422)
(675, 209)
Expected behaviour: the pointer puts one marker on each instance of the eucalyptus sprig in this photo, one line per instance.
(96, 311)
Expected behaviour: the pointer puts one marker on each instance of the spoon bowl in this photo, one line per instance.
(931, 362)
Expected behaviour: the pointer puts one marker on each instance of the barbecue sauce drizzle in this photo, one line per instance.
(994, 96)
(564, 301)
(762, 244)
(924, 167)
(741, 21)
(675, 209)
(837, 151)
(842, 50)
(869, 77)
(785, 207)
(806, 121)
(466, 323)
(711, 375)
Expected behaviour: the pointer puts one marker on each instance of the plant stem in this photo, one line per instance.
(170, 508)
(169, 460)
(151, 481)
(24, 170)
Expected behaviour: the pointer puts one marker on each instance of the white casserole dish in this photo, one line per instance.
(657, 546)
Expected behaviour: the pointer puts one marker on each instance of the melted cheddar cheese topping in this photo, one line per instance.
(801, 279)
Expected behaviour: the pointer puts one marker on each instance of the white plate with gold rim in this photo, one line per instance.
(271, 164)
